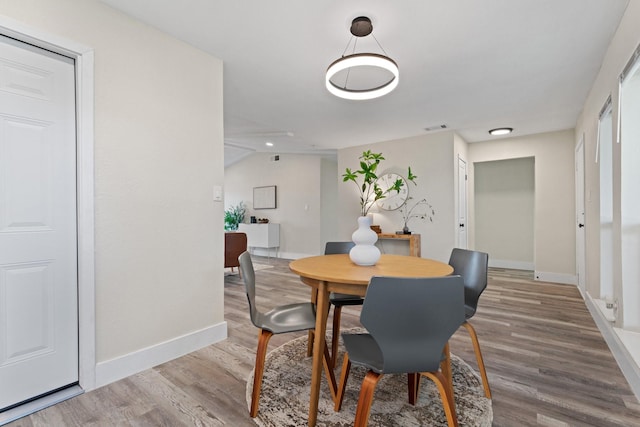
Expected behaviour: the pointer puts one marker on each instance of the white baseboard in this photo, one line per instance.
(283, 255)
(132, 363)
(631, 341)
(296, 255)
(276, 253)
(607, 313)
(272, 252)
(543, 276)
(515, 265)
(629, 367)
(567, 279)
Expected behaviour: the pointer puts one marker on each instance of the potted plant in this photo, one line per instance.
(365, 252)
(234, 216)
(424, 211)
(370, 191)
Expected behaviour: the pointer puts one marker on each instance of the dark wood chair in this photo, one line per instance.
(234, 245)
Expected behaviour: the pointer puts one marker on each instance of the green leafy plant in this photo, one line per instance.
(234, 216)
(369, 190)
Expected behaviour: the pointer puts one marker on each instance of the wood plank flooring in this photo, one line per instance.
(547, 363)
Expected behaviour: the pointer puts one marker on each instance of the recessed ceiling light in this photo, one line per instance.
(500, 131)
(269, 144)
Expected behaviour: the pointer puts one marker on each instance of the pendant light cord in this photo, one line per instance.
(379, 45)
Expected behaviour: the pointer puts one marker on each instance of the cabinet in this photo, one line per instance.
(265, 236)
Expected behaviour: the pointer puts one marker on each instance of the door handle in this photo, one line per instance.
(461, 225)
(580, 225)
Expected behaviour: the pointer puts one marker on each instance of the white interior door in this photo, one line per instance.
(462, 204)
(580, 224)
(38, 243)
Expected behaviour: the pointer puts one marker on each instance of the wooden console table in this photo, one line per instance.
(413, 239)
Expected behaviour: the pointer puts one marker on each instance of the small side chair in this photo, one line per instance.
(420, 316)
(234, 244)
(473, 267)
(279, 320)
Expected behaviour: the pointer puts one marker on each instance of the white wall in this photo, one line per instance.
(299, 188)
(624, 42)
(624, 343)
(554, 225)
(431, 158)
(504, 211)
(158, 153)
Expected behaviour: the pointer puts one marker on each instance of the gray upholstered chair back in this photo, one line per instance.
(411, 319)
(249, 276)
(472, 266)
(332, 248)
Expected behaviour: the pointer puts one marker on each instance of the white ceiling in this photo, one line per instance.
(470, 64)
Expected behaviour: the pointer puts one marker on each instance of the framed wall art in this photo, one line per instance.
(265, 197)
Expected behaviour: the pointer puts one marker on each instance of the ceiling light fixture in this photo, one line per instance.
(500, 131)
(268, 144)
(362, 27)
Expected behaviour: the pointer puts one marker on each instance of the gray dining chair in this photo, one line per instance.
(278, 320)
(339, 300)
(473, 267)
(419, 317)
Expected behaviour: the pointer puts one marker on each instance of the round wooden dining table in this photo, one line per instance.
(337, 273)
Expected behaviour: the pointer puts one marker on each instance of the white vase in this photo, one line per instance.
(365, 252)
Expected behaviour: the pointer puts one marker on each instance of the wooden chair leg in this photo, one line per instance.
(366, 398)
(413, 385)
(476, 349)
(445, 367)
(447, 399)
(335, 338)
(312, 337)
(331, 378)
(344, 376)
(261, 353)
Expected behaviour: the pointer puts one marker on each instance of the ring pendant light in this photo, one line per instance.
(362, 27)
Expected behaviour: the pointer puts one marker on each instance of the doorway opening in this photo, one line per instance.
(504, 212)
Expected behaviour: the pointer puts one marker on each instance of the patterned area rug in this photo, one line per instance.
(284, 399)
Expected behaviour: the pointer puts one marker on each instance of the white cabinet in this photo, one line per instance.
(261, 235)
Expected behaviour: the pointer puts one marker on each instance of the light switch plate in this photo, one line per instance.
(217, 193)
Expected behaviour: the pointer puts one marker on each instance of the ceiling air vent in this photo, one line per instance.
(437, 127)
(275, 158)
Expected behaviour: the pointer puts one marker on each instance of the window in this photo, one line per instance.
(629, 137)
(605, 160)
